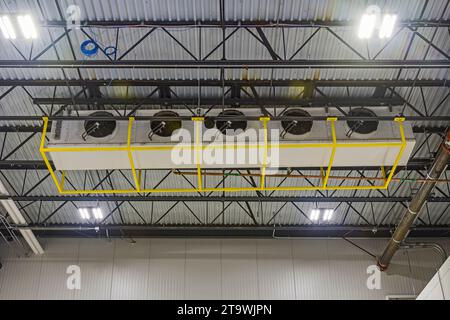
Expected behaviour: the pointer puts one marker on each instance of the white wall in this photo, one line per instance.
(439, 286)
(211, 269)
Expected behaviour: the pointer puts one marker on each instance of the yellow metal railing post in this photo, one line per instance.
(332, 121)
(383, 173)
(44, 155)
(322, 174)
(198, 121)
(140, 176)
(400, 153)
(63, 179)
(130, 154)
(264, 159)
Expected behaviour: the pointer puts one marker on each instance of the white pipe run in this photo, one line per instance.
(18, 218)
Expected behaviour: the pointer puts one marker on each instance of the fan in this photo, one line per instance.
(99, 128)
(362, 126)
(230, 125)
(164, 128)
(296, 127)
(209, 123)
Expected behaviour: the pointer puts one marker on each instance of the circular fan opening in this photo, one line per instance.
(230, 126)
(209, 123)
(362, 126)
(164, 128)
(99, 128)
(296, 127)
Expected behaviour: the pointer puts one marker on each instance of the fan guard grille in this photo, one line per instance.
(99, 128)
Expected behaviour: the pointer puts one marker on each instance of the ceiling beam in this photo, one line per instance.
(247, 118)
(422, 23)
(187, 198)
(31, 129)
(231, 64)
(20, 128)
(217, 102)
(241, 231)
(413, 164)
(226, 83)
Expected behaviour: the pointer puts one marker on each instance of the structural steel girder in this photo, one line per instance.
(140, 198)
(31, 129)
(221, 231)
(226, 83)
(229, 64)
(422, 23)
(248, 118)
(217, 102)
(413, 164)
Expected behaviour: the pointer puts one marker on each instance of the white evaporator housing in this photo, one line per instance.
(315, 145)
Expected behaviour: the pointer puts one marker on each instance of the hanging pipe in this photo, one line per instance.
(412, 211)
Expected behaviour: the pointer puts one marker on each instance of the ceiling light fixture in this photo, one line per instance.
(27, 26)
(315, 214)
(328, 214)
(84, 213)
(387, 26)
(87, 212)
(7, 28)
(367, 26)
(97, 213)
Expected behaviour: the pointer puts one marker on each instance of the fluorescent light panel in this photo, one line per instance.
(387, 26)
(83, 213)
(366, 26)
(27, 26)
(328, 214)
(97, 213)
(7, 28)
(315, 214)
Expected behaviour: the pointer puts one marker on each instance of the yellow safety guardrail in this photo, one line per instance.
(198, 147)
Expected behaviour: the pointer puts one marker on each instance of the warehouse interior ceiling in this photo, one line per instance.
(209, 56)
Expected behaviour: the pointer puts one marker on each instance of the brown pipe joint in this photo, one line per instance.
(381, 266)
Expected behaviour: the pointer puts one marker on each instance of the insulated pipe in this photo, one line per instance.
(417, 202)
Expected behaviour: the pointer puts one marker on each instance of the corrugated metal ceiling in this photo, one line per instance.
(241, 46)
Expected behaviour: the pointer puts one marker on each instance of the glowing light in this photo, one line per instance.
(387, 26)
(315, 214)
(97, 213)
(367, 26)
(83, 213)
(7, 28)
(328, 214)
(27, 26)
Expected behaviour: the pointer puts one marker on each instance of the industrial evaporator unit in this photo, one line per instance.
(92, 144)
